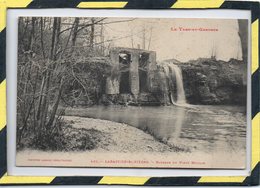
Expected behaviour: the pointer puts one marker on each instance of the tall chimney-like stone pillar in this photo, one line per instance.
(134, 74)
(112, 82)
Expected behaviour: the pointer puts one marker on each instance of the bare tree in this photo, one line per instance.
(92, 33)
(45, 62)
(74, 34)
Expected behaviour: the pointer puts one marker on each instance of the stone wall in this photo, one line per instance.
(113, 80)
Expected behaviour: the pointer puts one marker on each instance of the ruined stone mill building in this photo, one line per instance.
(133, 77)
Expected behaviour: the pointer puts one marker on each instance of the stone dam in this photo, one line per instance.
(131, 76)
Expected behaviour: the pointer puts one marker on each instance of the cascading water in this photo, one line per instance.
(181, 99)
(174, 75)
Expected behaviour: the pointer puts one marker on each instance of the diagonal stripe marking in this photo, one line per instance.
(197, 4)
(102, 4)
(2, 15)
(25, 180)
(255, 140)
(4, 4)
(255, 47)
(2, 104)
(123, 180)
(222, 179)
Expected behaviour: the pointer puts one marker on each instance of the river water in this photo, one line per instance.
(194, 128)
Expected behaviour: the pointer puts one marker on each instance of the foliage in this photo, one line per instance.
(51, 69)
(63, 138)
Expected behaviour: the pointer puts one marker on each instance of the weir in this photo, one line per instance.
(137, 79)
(175, 83)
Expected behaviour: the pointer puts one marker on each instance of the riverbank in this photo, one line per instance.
(119, 137)
(122, 145)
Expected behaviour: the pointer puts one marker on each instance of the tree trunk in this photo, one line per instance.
(55, 106)
(31, 39)
(92, 34)
(42, 44)
(50, 68)
(74, 34)
(243, 34)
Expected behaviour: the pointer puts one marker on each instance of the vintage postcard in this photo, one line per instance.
(132, 92)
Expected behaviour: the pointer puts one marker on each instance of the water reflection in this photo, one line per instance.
(204, 128)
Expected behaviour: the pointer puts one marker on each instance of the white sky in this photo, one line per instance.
(182, 46)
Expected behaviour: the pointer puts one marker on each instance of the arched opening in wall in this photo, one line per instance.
(124, 67)
(143, 71)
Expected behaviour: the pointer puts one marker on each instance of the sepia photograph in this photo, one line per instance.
(128, 92)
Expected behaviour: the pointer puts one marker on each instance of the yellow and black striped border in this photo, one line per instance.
(253, 179)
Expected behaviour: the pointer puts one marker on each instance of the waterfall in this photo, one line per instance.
(181, 99)
(174, 75)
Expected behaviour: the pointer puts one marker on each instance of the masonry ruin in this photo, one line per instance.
(132, 76)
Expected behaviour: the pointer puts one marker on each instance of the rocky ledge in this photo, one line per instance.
(210, 81)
